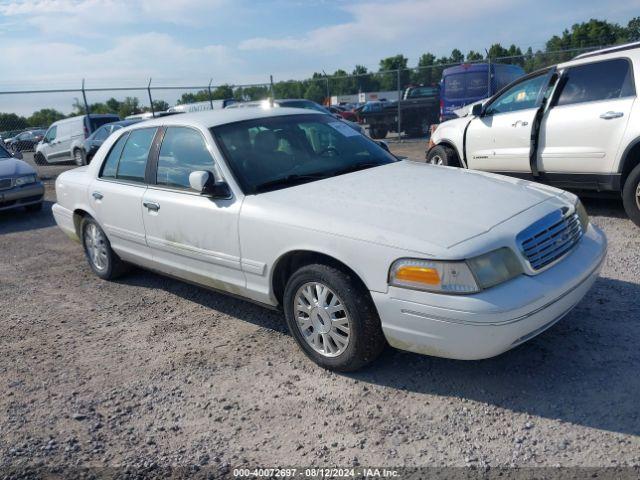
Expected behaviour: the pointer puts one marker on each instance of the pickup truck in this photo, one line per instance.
(419, 108)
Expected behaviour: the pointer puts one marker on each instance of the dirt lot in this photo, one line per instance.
(148, 372)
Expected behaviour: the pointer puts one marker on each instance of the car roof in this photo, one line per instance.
(213, 118)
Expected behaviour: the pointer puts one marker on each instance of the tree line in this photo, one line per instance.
(428, 71)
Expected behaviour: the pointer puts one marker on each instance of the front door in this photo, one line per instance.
(582, 131)
(500, 140)
(117, 195)
(192, 236)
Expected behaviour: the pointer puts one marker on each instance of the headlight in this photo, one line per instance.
(434, 276)
(470, 276)
(25, 180)
(583, 216)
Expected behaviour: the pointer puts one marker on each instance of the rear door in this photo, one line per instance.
(500, 140)
(116, 195)
(582, 131)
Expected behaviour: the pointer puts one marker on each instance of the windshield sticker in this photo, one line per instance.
(344, 129)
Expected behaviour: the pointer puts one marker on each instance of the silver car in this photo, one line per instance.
(19, 183)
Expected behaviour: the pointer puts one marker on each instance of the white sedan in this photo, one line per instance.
(295, 210)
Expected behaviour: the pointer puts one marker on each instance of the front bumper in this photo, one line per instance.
(17, 197)
(472, 327)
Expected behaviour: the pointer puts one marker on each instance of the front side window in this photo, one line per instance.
(51, 134)
(277, 152)
(183, 151)
(592, 82)
(521, 96)
(133, 160)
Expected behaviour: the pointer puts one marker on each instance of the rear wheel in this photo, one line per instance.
(104, 262)
(332, 317)
(631, 195)
(443, 155)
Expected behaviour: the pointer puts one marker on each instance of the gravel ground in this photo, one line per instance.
(148, 372)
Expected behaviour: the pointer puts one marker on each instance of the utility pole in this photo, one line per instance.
(153, 113)
(86, 105)
(399, 98)
(210, 96)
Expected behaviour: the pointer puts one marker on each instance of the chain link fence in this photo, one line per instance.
(391, 103)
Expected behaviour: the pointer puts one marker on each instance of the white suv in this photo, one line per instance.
(575, 125)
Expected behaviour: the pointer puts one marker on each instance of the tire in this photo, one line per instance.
(40, 159)
(106, 264)
(631, 195)
(377, 133)
(443, 155)
(354, 309)
(78, 157)
(36, 207)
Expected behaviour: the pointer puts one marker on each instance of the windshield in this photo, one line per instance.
(423, 92)
(276, 152)
(466, 85)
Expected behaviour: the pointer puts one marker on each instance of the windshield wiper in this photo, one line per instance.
(289, 180)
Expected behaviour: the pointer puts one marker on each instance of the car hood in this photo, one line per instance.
(12, 167)
(408, 205)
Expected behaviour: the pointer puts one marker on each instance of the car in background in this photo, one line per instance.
(64, 139)
(343, 112)
(19, 183)
(574, 125)
(471, 82)
(296, 103)
(202, 106)
(97, 138)
(24, 141)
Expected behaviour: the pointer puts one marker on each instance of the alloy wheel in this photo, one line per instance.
(322, 319)
(436, 160)
(638, 195)
(96, 245)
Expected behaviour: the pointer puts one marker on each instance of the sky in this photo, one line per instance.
(57, 43)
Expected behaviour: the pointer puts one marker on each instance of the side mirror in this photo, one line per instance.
(384, 145)
(203, 182)
(477, 110)
(18, 155)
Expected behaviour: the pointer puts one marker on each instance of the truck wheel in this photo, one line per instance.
(332, 317)
(631, 195)
(443, 155)
(78, 157)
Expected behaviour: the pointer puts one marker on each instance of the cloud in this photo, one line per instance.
(377, 23)
(135, 57)
(95, 18)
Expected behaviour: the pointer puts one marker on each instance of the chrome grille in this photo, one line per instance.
(550, 238)
(5, 183)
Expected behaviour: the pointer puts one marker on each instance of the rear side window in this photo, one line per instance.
(183, 151)
(111, 163)
(592, 82)
(96, 122)
(133, 160)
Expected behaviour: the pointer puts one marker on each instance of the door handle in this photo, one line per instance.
(152, 206)
(97, 195)
(515, 124)
(609, 115)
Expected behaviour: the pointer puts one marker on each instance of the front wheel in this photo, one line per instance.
(104, 262)
(443, 155)
(332, 317)
(631, 195)
(78, 157)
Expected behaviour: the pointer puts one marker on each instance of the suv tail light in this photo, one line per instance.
(86, 132)
(441, 109)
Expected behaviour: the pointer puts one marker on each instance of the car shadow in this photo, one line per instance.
(20, 220)
(604, 206)
(584, 370)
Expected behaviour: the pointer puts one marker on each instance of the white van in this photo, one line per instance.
(202, 106)
(64, 139)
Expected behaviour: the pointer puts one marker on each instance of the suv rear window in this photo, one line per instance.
(592, 82)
